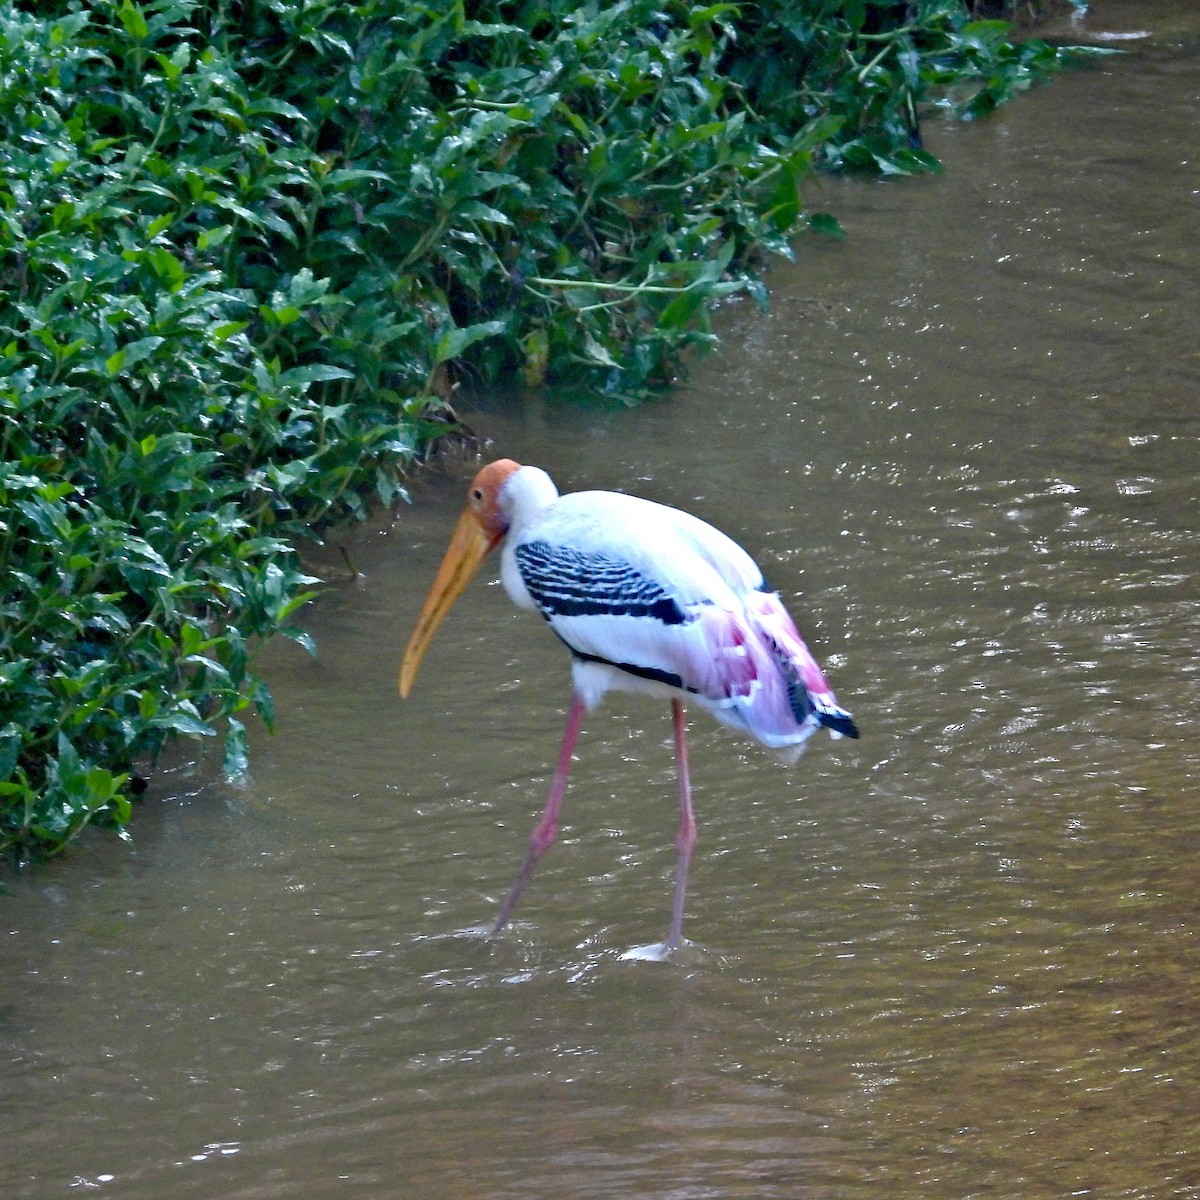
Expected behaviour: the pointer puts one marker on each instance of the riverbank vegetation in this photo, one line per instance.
(248, 248)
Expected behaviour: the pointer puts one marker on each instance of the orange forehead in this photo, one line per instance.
(483, 497)
(488, 482)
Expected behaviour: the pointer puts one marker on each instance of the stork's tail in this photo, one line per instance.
(829, 716)
(809, 694)
(819, 708)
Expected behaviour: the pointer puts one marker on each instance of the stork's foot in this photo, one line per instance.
(658, 952)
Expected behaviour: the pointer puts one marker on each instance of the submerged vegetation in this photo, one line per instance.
(246, 248)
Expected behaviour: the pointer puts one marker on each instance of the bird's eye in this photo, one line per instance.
(477, 493)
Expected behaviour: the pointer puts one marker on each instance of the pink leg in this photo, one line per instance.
(685, 839)
(546, 829)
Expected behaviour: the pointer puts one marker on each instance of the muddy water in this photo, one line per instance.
(956, 958)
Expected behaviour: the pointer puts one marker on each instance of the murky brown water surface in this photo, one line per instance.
(957, 958)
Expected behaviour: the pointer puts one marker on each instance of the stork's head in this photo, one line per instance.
(481, 528)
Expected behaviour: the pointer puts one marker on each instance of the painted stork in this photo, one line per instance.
(647, 599)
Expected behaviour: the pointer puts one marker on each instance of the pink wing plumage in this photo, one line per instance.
(761, 676)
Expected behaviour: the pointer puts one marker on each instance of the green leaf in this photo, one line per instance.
(235, 760)
(826, 224)
(454, 342)
(228, 329)
(211, 238)
(136, 351)
(302, 377)
(681, 308)
(184, 723)
(133, 20)
(166, 266)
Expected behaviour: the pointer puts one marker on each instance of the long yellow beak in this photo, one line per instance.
(468, 548)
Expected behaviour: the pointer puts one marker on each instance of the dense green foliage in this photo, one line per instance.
(246, 246)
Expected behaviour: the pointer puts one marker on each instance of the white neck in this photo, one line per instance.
(526, 494)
